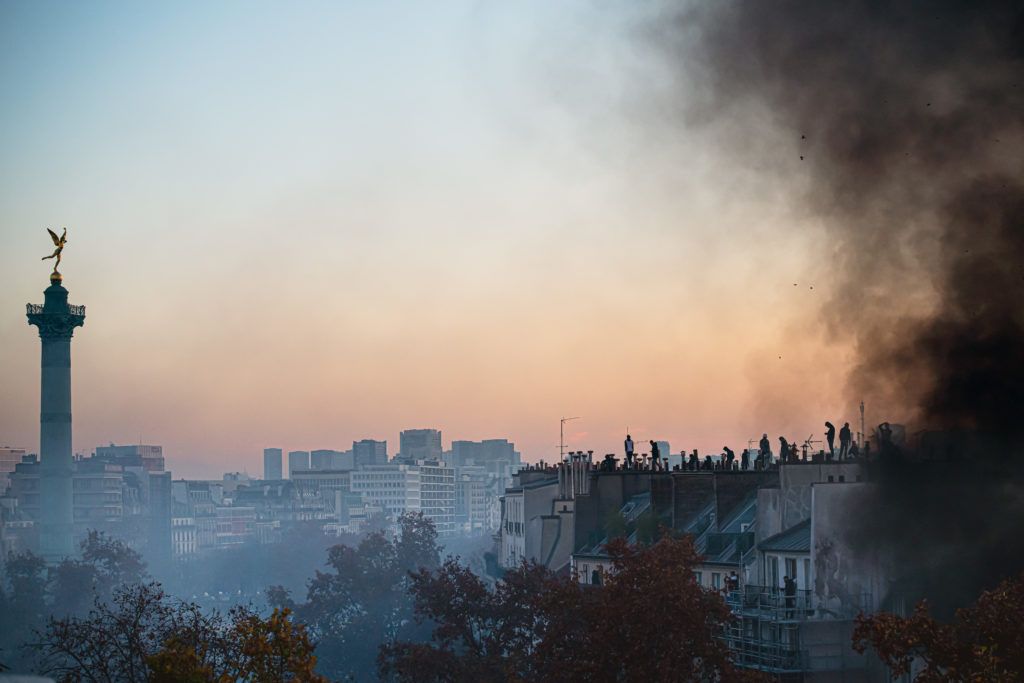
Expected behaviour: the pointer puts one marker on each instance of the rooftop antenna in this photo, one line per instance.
(861, 444)
(561, 440)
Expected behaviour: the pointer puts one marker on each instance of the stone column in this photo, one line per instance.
(56, 320)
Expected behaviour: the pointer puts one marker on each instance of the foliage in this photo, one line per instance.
(31, 593)
(984, 642)
(144, 636)
(649, 621)
(362, 600)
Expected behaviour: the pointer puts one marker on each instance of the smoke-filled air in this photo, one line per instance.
(535, 342)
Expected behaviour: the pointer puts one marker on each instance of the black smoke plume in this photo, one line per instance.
(909, 120)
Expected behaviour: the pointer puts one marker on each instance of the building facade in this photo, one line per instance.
(272, 464)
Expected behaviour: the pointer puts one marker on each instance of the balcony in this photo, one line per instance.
(38, 309)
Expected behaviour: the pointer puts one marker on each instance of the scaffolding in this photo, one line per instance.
(787, 636)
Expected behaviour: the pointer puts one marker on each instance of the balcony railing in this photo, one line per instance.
(37, 309)
(773, 603)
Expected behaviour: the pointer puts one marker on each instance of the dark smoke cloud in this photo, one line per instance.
(909, 118)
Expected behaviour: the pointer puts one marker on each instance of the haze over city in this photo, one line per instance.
(294, 227)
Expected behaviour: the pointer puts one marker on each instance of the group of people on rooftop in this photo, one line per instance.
(764, 459)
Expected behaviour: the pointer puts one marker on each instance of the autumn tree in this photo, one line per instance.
(649, 621)
(983, 642)
(362, 600)
(144, 636)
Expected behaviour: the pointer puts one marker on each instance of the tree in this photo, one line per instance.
(22, 604)
(984, 642)
(649, 621)
(272, 650)
(106, 565)
(144, 636)
(362, 601)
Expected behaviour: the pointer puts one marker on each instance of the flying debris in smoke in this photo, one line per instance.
(908, 118)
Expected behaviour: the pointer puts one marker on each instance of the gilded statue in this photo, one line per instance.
(58, 242)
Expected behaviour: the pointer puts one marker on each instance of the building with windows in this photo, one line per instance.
(272, 464)
(395, 488)
(9, 457)
(437, 495)
(298, 461)
(326, 459)
(419, 444)
(369, 452)
(471, 497)
(150, 458)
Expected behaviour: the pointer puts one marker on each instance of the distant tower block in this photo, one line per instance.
(56, 320)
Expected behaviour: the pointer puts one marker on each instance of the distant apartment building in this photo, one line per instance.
(298, 461)
(498, 457)
(471, 494)
(272, 464)
(9, 457)
(419, 444)
(395, 488)
(326, 459)
(369, 452)
(150, 458)
(184, 541)
(437, 495)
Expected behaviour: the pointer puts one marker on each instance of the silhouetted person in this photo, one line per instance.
(745, 460)
(783, 449)
(845, 437)
(729, 457)
(629, 452)
(708, 464)
(790, 591)
(830, 436)
(694, 464)
(655, 456)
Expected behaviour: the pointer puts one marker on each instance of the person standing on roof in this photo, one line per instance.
(830, 436)
(764, 453)
(845, 437)
(629, 452)
(783, 449)
(655, 456)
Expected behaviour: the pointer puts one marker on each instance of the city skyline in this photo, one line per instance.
(291, 253)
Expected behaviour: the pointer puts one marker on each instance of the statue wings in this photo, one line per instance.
(57, 241)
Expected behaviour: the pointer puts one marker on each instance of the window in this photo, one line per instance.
(716, 580)
(773, 570)
(791, 567)
(807, 574)
(699, 576)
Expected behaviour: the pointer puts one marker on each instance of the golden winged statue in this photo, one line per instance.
(58, 242)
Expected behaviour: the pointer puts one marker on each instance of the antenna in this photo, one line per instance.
(561, 432)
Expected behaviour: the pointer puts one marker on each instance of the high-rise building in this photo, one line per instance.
(56, 320)
(9, 457)
(369, 452)
(326, 459)
(437, 495)
(272, 458)
(419, 444)
(298, 461)
(471, 513)
(150, 458)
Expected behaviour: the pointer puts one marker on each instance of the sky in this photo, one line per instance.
(297, 225)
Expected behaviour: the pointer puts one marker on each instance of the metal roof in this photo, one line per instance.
(796, 539)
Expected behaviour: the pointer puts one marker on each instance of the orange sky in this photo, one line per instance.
(470, 221)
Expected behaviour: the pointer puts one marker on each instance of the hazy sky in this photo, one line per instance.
(297, 225)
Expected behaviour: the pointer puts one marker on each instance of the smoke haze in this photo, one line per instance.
(908, 119)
